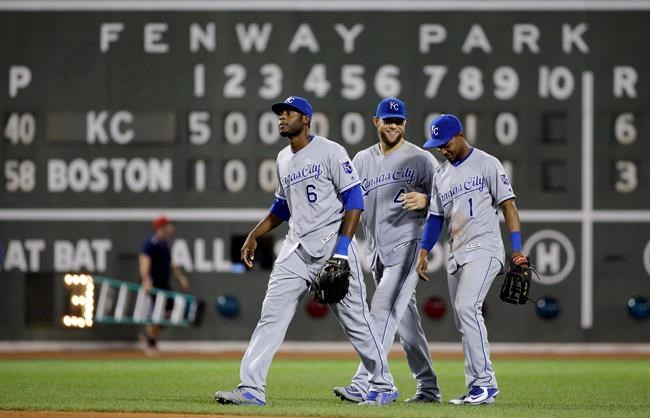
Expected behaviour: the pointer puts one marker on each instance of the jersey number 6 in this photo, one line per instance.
(311, 195)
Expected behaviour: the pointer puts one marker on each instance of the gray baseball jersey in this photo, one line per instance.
(468, 195)
(311, 181)
(383, 180)
(392, 234)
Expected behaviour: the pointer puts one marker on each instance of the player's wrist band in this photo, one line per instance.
(515, 240)
(342, 245)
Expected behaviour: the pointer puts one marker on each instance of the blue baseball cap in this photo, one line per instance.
(391, 107)
(442, 130)
(297, 103)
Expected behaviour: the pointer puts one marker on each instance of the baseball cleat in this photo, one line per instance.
(422, 398)
(239, 396)
(380, 398)
(478, 395)
(348, 393)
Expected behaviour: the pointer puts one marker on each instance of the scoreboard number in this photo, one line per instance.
(624, 129)
(20, 176)
(81, 303)
(20, 128)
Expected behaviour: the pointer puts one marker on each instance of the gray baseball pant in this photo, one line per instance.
(394, 310)
(289, 281)
(468, 286)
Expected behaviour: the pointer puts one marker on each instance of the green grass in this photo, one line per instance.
(303, 388)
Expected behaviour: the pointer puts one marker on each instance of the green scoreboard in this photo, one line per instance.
(115, 112)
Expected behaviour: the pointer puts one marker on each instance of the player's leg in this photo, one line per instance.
(395, 290)
(394, 309)
(418, 357)
(453, 280)
(354, 316)
(287, 286)
(476, 277)
(360, 386)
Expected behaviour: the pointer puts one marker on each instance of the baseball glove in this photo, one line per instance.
(332, 283)
(517, 281)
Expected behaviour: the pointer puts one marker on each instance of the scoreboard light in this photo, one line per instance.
(81, 301)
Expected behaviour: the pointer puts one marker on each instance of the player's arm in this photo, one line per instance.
(353, 206)
(511, 215)
(144, 267)
(430, 236)
(181, 278)
(415, 201)
(278, 213)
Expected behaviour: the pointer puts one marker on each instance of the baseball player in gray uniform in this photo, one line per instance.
(467, 191)
(388, 171)
(319, 195)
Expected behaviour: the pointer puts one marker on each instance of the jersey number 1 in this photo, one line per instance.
(471, 211)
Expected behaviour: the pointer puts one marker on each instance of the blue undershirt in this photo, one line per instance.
(431, 233)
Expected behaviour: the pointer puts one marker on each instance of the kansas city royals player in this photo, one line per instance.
(467, 191)
(319, 195)
(388, 170)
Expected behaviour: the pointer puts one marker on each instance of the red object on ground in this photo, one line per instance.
(435, 307)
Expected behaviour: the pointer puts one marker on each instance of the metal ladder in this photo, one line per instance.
(116, 304)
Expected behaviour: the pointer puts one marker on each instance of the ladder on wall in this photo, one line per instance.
(120, 302)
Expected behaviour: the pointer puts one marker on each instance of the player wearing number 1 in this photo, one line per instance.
(467, 191)
(319, 195)
(394, 174)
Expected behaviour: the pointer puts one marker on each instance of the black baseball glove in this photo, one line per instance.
(332, 283)
(517, 281)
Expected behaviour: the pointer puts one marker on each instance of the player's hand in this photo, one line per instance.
(414, 201)
(185, 284)
(422, 266)
(248, 251)
(519, 259)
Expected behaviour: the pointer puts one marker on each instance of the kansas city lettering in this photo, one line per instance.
(310, 170)
(470, 184)
(403, 174)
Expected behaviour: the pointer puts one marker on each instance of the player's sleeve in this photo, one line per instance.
(435, 204)
(352, 198)
(498, 181)
(431, 232)
(280, 205)
(342, 171)
(429, 166)
(279, 190)
(280, 208)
